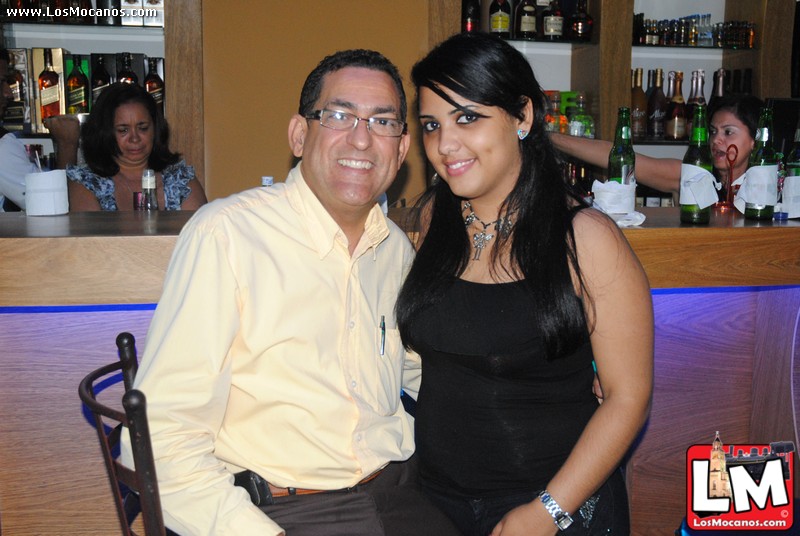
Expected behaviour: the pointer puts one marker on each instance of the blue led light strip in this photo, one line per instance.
(30, 309)
(718, 290)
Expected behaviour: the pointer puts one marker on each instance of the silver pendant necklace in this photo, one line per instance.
(480, 239)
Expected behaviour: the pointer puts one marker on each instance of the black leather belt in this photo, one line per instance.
(262, 492)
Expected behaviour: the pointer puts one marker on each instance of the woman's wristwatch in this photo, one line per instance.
(562, 519)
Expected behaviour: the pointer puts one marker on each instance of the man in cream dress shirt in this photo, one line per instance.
(273, 353)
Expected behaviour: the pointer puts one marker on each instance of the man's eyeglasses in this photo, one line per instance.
(380, 126)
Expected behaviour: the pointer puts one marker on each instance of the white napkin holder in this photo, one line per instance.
(698, 186)
(614, 198)
(46, 193)
(790, 196)
(759, 187)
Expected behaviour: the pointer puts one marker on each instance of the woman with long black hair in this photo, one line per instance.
(516, 289)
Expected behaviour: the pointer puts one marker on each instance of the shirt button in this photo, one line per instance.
(352, 324)
(353, 384)
(358, 437)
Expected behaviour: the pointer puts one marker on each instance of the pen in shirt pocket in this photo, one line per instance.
(383, 334)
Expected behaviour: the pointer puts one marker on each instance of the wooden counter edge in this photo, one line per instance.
(88, 269)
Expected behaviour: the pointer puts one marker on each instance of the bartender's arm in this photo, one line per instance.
(66, 131)
(663, 174)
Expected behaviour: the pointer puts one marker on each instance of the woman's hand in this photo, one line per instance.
(597, 389)
(529, 519)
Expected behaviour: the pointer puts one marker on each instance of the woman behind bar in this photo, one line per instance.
(734, 120)
(124, 135)
(516, 288)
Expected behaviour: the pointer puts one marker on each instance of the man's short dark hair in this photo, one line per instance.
(368, 59)
(5, 56)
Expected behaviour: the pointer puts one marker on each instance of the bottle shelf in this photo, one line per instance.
(693, 47)
(549, 43)
(85, 39)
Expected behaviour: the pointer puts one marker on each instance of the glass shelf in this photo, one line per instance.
(85, 39)
(690, 47)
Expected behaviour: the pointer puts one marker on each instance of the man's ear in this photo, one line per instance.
(402, 150)
(298, 128)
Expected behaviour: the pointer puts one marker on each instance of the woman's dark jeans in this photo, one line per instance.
(605, 513)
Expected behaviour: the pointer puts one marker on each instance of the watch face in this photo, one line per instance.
(563, 521)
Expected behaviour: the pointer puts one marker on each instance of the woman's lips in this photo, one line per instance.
(455, 169)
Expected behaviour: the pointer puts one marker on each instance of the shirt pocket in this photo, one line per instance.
(389, 357)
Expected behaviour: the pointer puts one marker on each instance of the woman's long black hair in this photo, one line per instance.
(487, 70)
(99, 142)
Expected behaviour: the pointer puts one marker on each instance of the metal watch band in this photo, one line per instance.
(561, 518)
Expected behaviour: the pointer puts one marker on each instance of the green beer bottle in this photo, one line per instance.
(698, 154)
(621, 158)
(764, 157)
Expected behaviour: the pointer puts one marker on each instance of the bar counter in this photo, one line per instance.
(726, 299)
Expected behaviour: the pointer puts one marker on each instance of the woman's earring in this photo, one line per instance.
(435, 178)
(522, 134)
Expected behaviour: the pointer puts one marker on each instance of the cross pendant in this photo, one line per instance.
(479, 240)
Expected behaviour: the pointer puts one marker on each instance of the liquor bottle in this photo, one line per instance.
(695, 97)
(650, 83)
(109, 12)
(61, 11)
(698, 154)
(541, 7)
(74, 13)
(86, 11)
(581, 124)
(690, 102)
(149, 194)
(48, 87)
(17, 84)
(470, 16)
(718, 89)
(553, 21)
(525, 20)
(747, 81)
(581, 23)
(693, 31)
(656, 108)
(639, 35)
(77, 89)
(554, 120)
(621, 158)
(46, 9)
(670, 89)
(500, 18)
(652, 37)
(100, 78)
(700, 96)
(763, 167)
(638, 107)
(126, 74)
(154, 84)
(675, 124)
